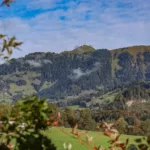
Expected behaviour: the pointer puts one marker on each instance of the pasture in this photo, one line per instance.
(59, 136)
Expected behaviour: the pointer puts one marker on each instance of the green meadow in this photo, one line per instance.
(59, 136)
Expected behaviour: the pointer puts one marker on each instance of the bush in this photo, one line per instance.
(33, 115)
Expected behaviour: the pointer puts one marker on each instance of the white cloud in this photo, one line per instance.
(46, 61)
(34, 63)
(111, 24)
(38, 63)
(78, 73)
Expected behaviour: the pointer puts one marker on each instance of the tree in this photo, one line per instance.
(121, 125)
(34, 116)
(8, 44)
(4, 109)
(86, 121)
(83, 104)
(145, 126)
(69, 118)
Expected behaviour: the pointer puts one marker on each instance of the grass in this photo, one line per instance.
(58, 137)
(74, 107)
(133, 50)
(46, 85)
(80, 50)
(110, 96)
(5, 97)
(114, 65)
(105, 98)
(28, 88)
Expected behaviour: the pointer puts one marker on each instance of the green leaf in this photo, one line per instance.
(2, 36)
(139, 140)
(148, 140)
(143, 147)
(11, 41)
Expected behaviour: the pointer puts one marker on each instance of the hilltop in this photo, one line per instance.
(73, 74)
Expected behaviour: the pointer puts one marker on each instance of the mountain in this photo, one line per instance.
(84, 71)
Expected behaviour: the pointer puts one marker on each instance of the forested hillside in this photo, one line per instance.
(72, 74)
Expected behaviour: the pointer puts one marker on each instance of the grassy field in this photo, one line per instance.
(59, 137)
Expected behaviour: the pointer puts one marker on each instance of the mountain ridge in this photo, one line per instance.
(57, 76)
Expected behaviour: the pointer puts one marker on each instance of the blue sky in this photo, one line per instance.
(58, 25)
